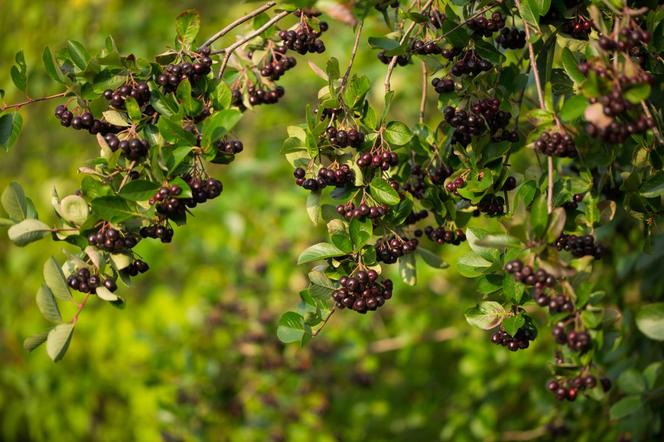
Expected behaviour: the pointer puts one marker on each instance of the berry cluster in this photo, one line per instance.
(574, 203)
(415, 185)
(436, 18)
(556, 144)
(487, 26)
(564, 388)
(492, 205)
(304, 39)
(628, 40)
(278, 65)
(470, 64)
(556, 303)
(511, 38)
(615, 105)
(156, 231)
(343, 138)
(576, 340)
(579, 246)
(85, 282)
(134, 149)
(326, 177)
(388, 250)
(525, 274)
(439, 174)
(173, 74)
(202, 189)
(442, 85)
(139, 91)
(362, 292)
(136, 267)
(230, 147)
(425, 47)
(402, 59)
(259, 95)
(440, 235)
(112, 240)
(578, 28)
(84, 121)
(378, 160)
(483, 114)
(415, 217)
(167, 203)
(350, 211)
(453, 185)
(520, 340)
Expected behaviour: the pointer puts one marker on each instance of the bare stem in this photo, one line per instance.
(232, 48)
(237, 23)
(358, 33)
(126, 177)
(4, 107)
(327, 318)
(80, 308)
(423, 99)
(646, 111)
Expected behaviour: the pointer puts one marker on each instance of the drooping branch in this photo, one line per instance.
(237, 23)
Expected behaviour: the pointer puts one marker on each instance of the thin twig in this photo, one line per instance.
(535, 433)
(327, 318)
(393, 62)
(126, 177)
(399, 342)
(655, 129)
(4, 107)
(80, 309)
(237, 23)
(358, 33)
(229, 50)
(423, 99)
(540, 96)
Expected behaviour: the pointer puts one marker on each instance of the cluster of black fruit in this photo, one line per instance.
(453, 185)
(415, 185)
(492, 205)
(140, 91)
(229, 146)
(378, 160)
(602, 71)
(326, 177)
(556, 144)
(173, 74)
(85, 282)
(441, 235)
(511, 38)
(350, 211)
(578, 28)
(487, 26)
(614, 105)
(134, 148)
(112, 240)
(135, 267)
(435, 18)
(363, 292)
(576, 340)
(421, 47)
(259, 95)
(402, 59)
(579, 246)
(202, 189)
(443, 85)
(343, 138)
(485, 113)
(556, 303)
(156, 231)
(452, 52)
(304, 39)
(470, 64)
(526, 275)
(628, 39)
(167, 203)
(84, 121)
(278, 65)
(520, 340)
(388, 250)
(564, 388)
(574, 203)
(415, 217)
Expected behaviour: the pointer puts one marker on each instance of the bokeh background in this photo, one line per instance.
(194, 354)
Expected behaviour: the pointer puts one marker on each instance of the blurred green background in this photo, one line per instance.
(194, 355)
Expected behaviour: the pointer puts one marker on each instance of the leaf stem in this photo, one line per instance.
(237, 23)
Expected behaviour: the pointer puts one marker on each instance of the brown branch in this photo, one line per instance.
(399, 342)
(356, 43)
(80, 309)
(4, 107)
(237, 23)
(423, 98)
(232, 48)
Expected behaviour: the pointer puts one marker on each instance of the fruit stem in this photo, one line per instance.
(237, 23)
(327, 318)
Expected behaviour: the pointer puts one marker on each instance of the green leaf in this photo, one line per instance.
(499, 241)
(183, 93)
(360, 232)
(571, 66)
(219, 124)
(650, 320)
(653, 187)
(27, 231)
(78, 54)
(527, 13)
(637, 93)
(626, 406)
(525, 194)
(631, 381)
(52, 66)
(74, 209)
(112, 208)
(539, 217)
(556, 225)
(58, 341)
(319, 251)
(139, 190)
(332, 69)
(407, 269)
(512, 324)
(105, 294)
(35, 341)
(47, 305)
(486, 315)
(55, 280)
(383, 192)
(472, 265)
(314, 208)
(133, 109)
(10, 128)
(14, 203)
(651, 374)
(487, 251)
(383, 43)
(19, 72)
(397, 133)
(573, 108)
(187, 25)
(116, 118)
(513, 290)
(291, 328)
(431, 258)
